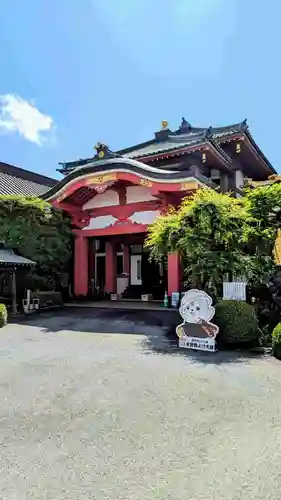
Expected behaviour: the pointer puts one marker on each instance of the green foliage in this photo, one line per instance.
(45, 283)
(265, 335)
(49, 299)
(276, 334)
(161, 234)
(264, 206)
(218, 234)
(237, 321)
(3, 315)
(210, 231)
(37, 230)
(276, 341)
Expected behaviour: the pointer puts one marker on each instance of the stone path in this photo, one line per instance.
(90, 415)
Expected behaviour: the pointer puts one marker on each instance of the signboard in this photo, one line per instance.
(197, 331)
(175, 299)
(196, 343)
(100, 179)
(101, 183)
(235, 290)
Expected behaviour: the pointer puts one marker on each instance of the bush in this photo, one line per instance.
(237, 322)
(276, 341)
(3, 315)
(265, 336)
(49, 299)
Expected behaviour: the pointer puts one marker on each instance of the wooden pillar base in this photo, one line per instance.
(81, 265)
(110, 267)
(174, 273)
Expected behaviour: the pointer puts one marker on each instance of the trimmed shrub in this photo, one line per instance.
(3, 315)
(49, 299)
(237, 322)
(276, 341)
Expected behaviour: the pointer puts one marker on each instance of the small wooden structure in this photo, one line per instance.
(11, 262)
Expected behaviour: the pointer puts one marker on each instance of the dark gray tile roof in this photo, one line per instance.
(184, 137)
(175, 140)
(7, 256)
(13, 185)
(18, 181)
(178, 140)
(159, 147)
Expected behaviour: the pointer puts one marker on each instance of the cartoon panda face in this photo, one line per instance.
(192, 312)
(196, 306)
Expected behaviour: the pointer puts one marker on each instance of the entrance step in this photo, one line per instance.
(136, 291)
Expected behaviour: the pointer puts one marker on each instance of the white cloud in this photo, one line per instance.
(18, 115)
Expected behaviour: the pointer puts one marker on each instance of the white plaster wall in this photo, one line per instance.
(138, 193)
(108, 199)
(145, 217)
(122, 284)
(100, 222)
(170, 166)
(239, 178)
(215, 174)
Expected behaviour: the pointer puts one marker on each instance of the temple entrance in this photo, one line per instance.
(126, 270)
(153, 277)
(100, 274)
(136, 270)
(136, 251)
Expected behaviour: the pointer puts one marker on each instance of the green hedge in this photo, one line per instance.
(237, 322)
(49, 299)
(3, 315)
(276, 341)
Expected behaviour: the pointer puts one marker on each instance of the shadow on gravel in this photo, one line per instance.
(111, 321)
(158, 330)
(168, 345)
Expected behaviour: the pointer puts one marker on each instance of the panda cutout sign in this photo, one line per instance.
(197, 331)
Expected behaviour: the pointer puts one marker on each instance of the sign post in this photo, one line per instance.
(235, 290)
(196, 331)
(175, 299)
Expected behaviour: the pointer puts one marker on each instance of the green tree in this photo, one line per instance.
(210, 231)
(264, 206)
(36, 230)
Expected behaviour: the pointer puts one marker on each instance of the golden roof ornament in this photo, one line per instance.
(238, 148)
(164, 124)
(99, 147)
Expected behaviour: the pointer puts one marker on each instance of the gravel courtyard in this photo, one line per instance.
(90, 415)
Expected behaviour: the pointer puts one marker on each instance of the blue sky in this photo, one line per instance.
(77, 72)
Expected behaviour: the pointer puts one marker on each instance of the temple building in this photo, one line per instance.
(112, 198)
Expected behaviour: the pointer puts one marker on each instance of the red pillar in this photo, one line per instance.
(110, 268)
(126, 259)
(81, 265)
(91, 260)
(174, 273)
